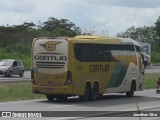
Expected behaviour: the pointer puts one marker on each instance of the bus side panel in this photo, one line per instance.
(125, 71)
(78, 78)
(92, 72)
(76, 71)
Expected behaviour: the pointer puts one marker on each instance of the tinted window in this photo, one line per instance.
(94, 52)
(138, 49)
(18, 63)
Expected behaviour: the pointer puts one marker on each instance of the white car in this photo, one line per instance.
(9, 67)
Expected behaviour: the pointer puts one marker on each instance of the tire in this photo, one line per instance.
(10, 74)
(95, 92)
(62, 98)
(100, 95)
(87, 93)
(132, 89)
(50, 98)
(22, 74)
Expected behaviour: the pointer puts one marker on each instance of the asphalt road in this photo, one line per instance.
(27, 76)
(146, 100)
(152, 69)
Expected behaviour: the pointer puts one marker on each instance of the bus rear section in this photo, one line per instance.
(50, 75)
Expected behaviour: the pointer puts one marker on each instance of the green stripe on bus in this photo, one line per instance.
(118, 74)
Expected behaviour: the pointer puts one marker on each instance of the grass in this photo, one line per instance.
(17, 91)
(157, 63)
(23, 90)
(25, 58)
(150, 81)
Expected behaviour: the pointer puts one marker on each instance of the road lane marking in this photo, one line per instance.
(67, 118)
(144, 108)
(11, 102)
(102, 114)
(61, 106)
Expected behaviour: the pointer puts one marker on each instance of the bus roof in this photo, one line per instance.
(96, 39)
(90, 37)
(130, 41)
(111, 40)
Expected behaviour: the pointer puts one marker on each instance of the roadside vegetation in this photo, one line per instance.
(23, 91)
(150, 81)
(16, 40)
(17, 91)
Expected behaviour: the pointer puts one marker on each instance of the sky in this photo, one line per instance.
(107, 17)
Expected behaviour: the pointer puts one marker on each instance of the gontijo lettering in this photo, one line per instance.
(56, 58)
(98, 68)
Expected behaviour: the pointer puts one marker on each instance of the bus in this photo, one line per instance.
(86, 66)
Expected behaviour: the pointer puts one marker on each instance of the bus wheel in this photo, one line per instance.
(50, 97)
(86, 95)
(95, 91)
(132, 89)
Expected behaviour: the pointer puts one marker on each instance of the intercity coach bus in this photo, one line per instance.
(86, 66)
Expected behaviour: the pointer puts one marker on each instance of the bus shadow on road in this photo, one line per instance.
(105, 100)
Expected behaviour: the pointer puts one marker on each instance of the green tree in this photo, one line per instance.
(16, 40)
(157, 29)
(150, 34)
(145, 34)
(62, 27)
